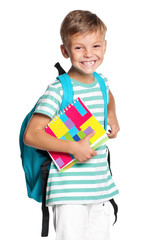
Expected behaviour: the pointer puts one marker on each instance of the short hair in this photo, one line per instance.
(81, 21)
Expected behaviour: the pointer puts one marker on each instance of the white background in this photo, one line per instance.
(28, 50)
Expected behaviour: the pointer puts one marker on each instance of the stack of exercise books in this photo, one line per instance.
(74, 123)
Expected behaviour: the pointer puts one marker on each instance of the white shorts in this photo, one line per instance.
(82, 222)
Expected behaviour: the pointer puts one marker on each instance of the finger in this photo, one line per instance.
(111, 135)
(94, 153)
(91, 134)
(90, 155)
(113, 132)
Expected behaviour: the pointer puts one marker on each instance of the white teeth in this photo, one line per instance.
(88, 63)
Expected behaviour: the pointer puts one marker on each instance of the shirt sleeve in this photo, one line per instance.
(50, 102)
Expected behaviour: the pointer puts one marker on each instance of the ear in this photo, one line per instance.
(105, 46)
(64, 51)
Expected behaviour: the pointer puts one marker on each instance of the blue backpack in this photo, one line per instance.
(36, 163)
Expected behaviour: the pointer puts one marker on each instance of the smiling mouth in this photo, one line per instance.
(88, 63)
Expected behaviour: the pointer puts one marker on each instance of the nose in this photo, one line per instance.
(88, 53)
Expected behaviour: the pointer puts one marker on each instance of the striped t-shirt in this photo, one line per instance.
(83, 183)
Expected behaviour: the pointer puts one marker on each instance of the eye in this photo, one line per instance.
(78, 48)
(96, 46)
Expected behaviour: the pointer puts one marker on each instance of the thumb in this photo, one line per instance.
(91, 134)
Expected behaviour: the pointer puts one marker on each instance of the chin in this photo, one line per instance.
(89, 71)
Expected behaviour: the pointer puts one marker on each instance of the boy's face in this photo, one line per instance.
(86, 52)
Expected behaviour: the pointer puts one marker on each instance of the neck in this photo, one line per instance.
(81, 77)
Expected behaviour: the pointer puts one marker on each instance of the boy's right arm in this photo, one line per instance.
(35, 136)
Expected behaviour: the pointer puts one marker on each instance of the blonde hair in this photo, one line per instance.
(81, 21)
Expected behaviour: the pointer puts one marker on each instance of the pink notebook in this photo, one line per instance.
(74, 123)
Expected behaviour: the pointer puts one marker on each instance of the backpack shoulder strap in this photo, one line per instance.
(67, 89)
(104, 92)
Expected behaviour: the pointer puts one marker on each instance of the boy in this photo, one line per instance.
(80, 195)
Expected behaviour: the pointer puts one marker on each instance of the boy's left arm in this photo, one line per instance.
(112, 118)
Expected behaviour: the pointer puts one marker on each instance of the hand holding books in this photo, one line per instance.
(82, 150)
